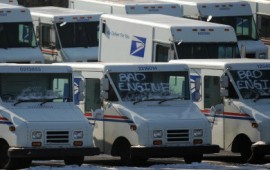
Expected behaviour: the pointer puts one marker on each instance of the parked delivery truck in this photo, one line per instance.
(235, 98)
(38, 119)
(17, 39)
(66, 35)
(142, 111)
(156, 38)
(128, 7)
(235, 13)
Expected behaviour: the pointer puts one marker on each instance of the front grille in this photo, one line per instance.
(177, 135)
(57, 137)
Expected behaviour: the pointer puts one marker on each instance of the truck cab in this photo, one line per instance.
(18, 42)
(66, 35)
(38, 119)
(235, 98)
(235, 13)
(142, 111)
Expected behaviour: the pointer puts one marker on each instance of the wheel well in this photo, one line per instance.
(120, 141)
(3, 142)
(240, 142)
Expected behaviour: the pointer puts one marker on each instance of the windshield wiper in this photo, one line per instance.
(174, 98)
(142, 100)
(21, 101)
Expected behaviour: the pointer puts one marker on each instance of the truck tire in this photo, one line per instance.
(193, 158)
(125, 154)
(11, 163)
(74, 160)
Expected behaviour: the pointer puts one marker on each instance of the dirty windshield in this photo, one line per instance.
(252, 84)
(16, 35)
(148, 86)
(20, 88)
(80, 34)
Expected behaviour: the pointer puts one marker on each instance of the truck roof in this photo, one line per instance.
(14, 13)
(225, 63)
(59, 14)
(180, 28)
(33, 68)
(128, 2)
(217, 8)
(126, 67)
(12, 2)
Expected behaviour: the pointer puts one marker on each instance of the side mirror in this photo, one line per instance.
(104, 95)
(197, 96)
(81, 86)
(197, 83)
(224, 81)
(224, 92)
(105, 84)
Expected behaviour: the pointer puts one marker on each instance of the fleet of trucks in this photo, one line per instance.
(38, 118)
(128, 7)
(142, 111)
(17, 38)
(157, 38)
(236, 13)
(66, 35)
(235, 97)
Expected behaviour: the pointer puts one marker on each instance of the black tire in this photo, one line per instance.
(78, 160)
(245, 151)
(125, 154)
(193, 158)
(11, 163)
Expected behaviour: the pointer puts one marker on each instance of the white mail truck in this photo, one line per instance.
(235, 98)
(128, 7)
(160, 38)
(236, 13)
(38, 118)
(66, 35)
(17, 39)
(142, 111)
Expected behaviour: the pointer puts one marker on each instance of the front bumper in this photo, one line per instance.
(162, 152)
(51, 153)
(261, 149)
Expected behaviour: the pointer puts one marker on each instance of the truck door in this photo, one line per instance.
(161, 53)
(91, 107)
(212, 102)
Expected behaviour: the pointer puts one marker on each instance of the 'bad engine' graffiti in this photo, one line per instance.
(251, 79)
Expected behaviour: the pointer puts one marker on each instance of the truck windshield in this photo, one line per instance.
(14, 35)
(145, 86)
(22, 87)
(252, 84)
(78, 34)
(207, 50)
(244, 26)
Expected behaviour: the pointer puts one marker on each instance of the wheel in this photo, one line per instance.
(74, 160)
(256, 158)
(193, 158)
(11, 163)
(245, 151)
(125, 154)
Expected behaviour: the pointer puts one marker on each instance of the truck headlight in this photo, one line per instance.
(78, 134)
(197, 132)
(157, 134)
(262, 56)
(36, 135)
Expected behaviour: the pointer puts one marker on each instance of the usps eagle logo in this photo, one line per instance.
(138, 46)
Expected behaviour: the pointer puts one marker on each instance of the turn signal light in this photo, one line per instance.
(36, 144)
(78, 143)
(157, 142)
(197, 141)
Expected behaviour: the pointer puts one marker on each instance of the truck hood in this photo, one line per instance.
(47, 112)
(253, 46)
(258, 110)
(81, 54)
(161, 112)
(21, 55)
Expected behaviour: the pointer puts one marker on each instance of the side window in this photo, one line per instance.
(45, 36)
(162, 53)
(92, 95)
(211, 91)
